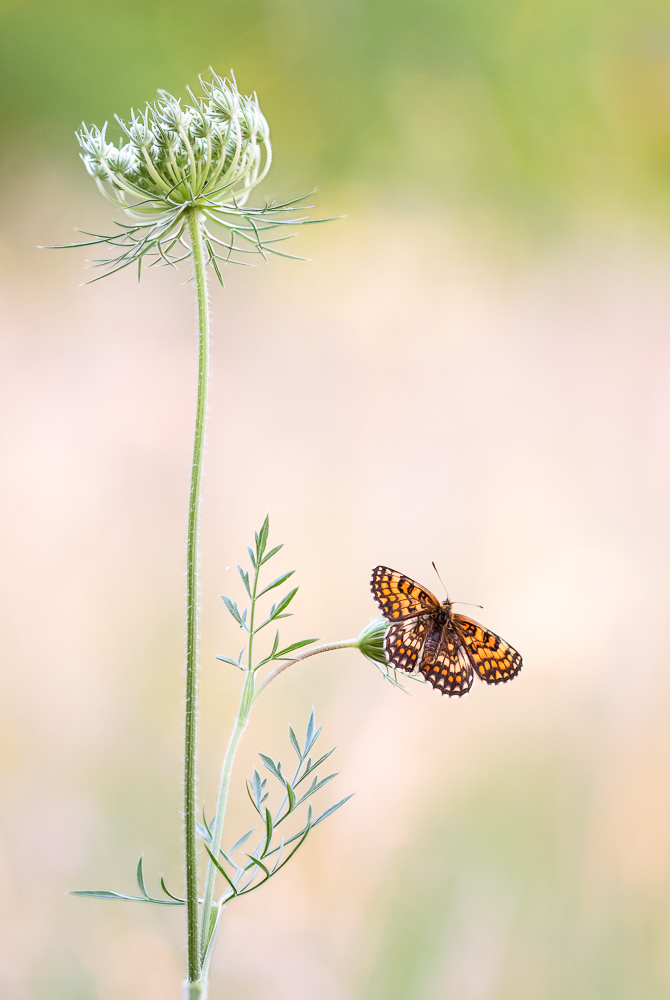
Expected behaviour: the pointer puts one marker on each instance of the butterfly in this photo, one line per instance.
(429, 638)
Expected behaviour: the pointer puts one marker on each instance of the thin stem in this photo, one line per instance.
(191, 726)
(325, 648)
(240, 724)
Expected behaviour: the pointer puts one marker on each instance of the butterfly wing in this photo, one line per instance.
(494, 659)
(403, 643)
(399, 597)
(445, 662)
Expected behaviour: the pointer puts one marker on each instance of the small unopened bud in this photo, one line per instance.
(371, 640)
(169, 113)
(122, 160)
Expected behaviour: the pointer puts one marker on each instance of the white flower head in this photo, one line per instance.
(174, 159)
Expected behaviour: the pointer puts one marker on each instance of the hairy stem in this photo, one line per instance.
(325, 648)
(192, 609)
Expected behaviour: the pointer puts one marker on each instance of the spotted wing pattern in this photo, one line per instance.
(494, 660)
(399, 597)
(403, 643)
(446, 663)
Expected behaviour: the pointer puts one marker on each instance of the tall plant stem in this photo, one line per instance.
(191, 726)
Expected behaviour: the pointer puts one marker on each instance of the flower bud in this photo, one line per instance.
(371, 640)
(122, 160)
(169, 113)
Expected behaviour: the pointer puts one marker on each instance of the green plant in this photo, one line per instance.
(180, 173)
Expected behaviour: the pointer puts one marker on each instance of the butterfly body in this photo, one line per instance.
(430, 638)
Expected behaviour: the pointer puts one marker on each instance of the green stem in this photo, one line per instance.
(327, 646)
(243, 712)
(191, 727)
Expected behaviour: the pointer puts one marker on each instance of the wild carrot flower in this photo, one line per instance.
(173, 160)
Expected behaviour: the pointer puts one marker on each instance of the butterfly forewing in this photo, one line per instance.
(399, 597)
(445, 662)
(403, 643)
(494, 659)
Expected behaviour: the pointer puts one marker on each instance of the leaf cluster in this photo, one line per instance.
(274, 848)
(247, 617)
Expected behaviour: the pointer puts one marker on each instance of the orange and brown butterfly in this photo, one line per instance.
(429, 638)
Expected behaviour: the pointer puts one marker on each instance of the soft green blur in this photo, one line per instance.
(533, 109)
(474, 370)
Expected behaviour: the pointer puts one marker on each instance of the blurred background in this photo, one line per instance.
(473, 369)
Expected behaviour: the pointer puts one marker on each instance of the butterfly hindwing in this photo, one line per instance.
(445, 662)
(494, 659)
(399, 597)
(403, 643)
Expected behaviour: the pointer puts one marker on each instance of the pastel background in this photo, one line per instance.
(473, 369)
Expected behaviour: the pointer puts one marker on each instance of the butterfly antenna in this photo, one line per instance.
(468, 604)
(440, 579)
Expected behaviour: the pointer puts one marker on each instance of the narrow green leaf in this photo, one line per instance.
(271, 766)
(202, 832)
(232, 608)
(231, 862)
(284, 603)
(309, 734)
(140, 878)
(257, 861)
(316, 786)
(262, 538)
(168, 893)
(254, 795)
(313, 740)
(279, 850)
(272, 552)
(222, 870)
(205, 823)
(291, 648)
(245, 578)
(312, 767)
(301, 841)
(329, 812)
(227, 659)
(242, 840)
(251, 556)
(276, 583)
(294, 742)
(271, 656)
(268, 832)
(106, 894)
(291, 797)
